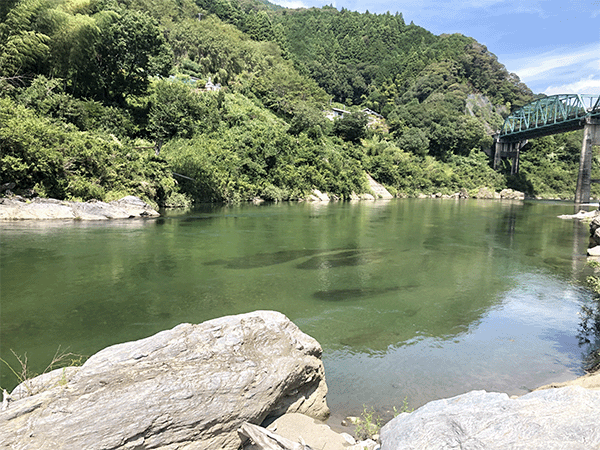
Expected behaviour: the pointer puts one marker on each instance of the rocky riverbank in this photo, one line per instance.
(18, 208)
(210, 385)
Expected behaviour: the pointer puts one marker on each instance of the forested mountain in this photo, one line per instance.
(226, 100)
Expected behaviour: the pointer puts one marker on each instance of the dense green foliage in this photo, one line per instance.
(101, 98)
(55, 159)
(250, 153)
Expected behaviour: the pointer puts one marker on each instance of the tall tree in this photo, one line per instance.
(129, 48)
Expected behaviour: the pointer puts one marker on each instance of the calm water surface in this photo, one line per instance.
(409, 298)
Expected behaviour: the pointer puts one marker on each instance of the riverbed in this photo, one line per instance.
(410, 299)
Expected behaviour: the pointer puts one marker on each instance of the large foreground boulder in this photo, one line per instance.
(186, 388)
(551, 419)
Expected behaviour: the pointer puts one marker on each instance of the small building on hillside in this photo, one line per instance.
(371, 113)
(336, 113)
(209, 86)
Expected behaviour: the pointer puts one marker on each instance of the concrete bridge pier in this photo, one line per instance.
(510, 150)
(591, 138)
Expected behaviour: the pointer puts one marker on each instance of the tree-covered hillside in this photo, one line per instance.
(183, 101)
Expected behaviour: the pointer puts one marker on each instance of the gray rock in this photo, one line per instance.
(564, 418)
(300, 428)
(48, 208)
(509, 194)
(131, 200)
(368, 444)
(486, 193)
(366, 197)
(595, 230)
(581, 215)
(189, 387)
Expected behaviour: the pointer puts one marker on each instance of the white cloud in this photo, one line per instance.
(560, 71)
(294, 4)
(590, 85)
(534, 67)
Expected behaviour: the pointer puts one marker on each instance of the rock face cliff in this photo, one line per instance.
(190, 387)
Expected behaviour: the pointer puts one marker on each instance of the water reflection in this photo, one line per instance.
(57, 225)
(588, 335)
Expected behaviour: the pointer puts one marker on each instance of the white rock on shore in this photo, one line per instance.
(551, 419)
(47, 208)
(581, 215)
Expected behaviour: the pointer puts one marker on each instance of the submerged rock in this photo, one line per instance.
(189, 387)
(47, 208)
(564, 418)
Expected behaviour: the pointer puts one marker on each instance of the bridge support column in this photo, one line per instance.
(498, 146)
(508, 150)
(591, 138)
(516, 152)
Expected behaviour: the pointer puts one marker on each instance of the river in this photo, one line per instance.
(415, 299)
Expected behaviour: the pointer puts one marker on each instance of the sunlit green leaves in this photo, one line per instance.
(22, 46)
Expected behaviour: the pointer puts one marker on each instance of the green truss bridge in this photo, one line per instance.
(552, 115)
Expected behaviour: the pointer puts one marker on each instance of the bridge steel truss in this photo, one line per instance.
(549, 115)
(552, 115)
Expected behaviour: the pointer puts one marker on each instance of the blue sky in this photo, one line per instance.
(552, 45)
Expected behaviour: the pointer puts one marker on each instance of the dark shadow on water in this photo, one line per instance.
(270, 259)
(192, 219)
(337, 295)
(347, 258)
(319, 259)
(263, 259)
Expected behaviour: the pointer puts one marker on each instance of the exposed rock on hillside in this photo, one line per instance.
(378, 189)
(189, 387)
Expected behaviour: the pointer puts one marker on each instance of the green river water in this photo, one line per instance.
(416, 299)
